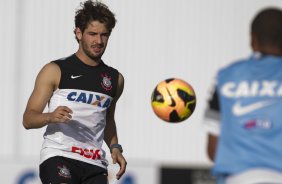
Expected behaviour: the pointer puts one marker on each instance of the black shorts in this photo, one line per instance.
(57, 170)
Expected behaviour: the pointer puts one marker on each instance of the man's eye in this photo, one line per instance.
(106, 35)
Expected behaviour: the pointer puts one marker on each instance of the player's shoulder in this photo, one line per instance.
(236, 66)
(50, 66)
(121, 76)
(54, 66)
(255, 60)
(50, 69)
(120, 79)
(109, 67)
(62, 61)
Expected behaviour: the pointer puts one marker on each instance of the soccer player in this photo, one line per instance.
(81, 92)
(244, 117)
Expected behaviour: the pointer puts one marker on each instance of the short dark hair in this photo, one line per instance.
(94, 11)
(267, 27)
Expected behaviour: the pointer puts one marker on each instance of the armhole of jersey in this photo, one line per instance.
(212, 115)
(59, 85)
(212, 122)
(116, 82)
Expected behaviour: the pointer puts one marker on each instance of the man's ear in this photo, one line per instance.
(254, 42)
(78, 33)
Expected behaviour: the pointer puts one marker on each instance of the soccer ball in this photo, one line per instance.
(173, 100)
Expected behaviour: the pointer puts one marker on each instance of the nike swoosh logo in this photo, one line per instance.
(75, 76)
(240, 110)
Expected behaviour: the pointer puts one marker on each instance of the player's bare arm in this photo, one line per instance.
(46, 82)
(211, 148)
(110, 136)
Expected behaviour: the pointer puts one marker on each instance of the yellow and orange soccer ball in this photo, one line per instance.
(173, 100)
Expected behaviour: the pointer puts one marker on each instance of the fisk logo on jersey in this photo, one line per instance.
(258, 124)
(252, 89)
(93, 154)
(89, 98)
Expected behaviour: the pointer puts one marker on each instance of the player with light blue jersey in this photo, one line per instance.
(251, 106)
(245, 110)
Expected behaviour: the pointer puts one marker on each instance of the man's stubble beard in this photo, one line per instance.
(87, 51)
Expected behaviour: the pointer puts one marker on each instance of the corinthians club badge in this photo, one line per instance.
(64, 171)
(106, 82)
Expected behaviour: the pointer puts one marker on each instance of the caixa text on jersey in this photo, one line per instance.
(89, 98)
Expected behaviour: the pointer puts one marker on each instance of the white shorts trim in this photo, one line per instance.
(256, 176)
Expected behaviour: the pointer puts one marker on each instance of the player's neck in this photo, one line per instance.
(265, 48)
(271, 50)
(87, 60)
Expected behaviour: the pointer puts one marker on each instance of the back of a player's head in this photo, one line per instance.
(267, 27)
(94, 11)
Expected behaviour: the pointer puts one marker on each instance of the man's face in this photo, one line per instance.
(94, 39)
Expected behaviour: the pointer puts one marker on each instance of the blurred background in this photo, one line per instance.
(152, 41)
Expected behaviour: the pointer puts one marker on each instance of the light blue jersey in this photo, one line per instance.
(250, 96)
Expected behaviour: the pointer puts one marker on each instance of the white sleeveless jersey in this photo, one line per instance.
(88, 92)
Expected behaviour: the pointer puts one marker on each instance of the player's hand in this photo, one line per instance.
(118, 158)
(60, 115)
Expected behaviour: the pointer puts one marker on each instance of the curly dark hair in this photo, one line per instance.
(267, 27)
(94, 11)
